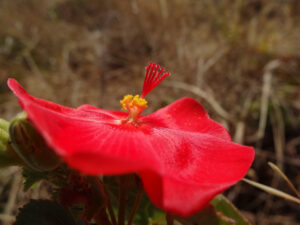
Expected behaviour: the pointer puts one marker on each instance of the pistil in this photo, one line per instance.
(136, 104)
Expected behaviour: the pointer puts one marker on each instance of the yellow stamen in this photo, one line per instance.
(139, 102)
(135, 105)
(130, 102)
(126, 101)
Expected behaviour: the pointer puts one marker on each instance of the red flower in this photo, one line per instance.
(182, 156)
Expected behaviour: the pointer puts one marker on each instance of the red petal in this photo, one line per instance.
(189, 115)
(90, 139)
(21, 93)
(183, 157)
(196, 169)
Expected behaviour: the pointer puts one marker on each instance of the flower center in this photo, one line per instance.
(135, 105)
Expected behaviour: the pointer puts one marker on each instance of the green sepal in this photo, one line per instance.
(206, 216)
(31, 147)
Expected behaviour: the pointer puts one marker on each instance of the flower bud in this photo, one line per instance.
(4, 138)
(30, 146)
(4, 124)
(7, 156)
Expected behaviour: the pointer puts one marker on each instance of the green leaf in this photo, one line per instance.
(44, 212)
(207, 216)
(223, 205)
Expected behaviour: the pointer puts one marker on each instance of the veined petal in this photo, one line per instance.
(23, 97)
(189, 115)
(89, 133)
(199, 167)
(85, 111)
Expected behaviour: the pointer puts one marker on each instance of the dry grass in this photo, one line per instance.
(241, 59)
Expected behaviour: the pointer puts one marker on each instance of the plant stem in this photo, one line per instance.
(136, 204)
(108, 203)
(169, 219)
(101, 217)
(122, 200)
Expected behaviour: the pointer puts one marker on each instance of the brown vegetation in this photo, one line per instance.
(240, 59)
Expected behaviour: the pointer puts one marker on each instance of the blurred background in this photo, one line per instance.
(240, 59)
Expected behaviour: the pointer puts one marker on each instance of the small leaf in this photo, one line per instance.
(43, 212)
(207, 216)
(223, 205)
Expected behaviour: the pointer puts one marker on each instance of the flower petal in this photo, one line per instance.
(183, 157)
(90, 139)
(200, 167)
(189, 115)
(23, 96)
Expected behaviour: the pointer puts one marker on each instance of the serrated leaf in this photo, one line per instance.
(44, 212)
(223, 205)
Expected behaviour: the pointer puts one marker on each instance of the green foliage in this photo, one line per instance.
(7, 156)
(146, 213)
(223, 205)
(206, 216)
(4, 124)
(43, 212)
(220, 212)
(4, 137)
